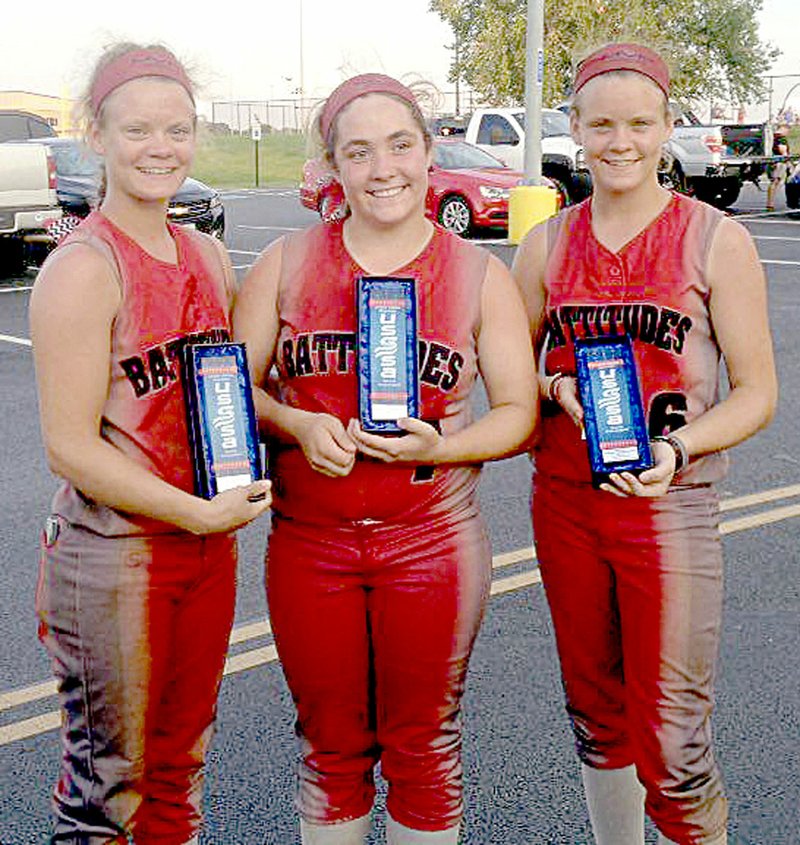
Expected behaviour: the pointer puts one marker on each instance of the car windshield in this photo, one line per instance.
(75, 160)
(458, 155)
(553, 123)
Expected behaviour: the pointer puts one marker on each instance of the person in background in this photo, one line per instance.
(137, 579)
(379, 566)
(777, 172)
(633, 570)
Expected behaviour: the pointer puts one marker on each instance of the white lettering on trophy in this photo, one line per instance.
(610, 397)
(386, 353)
(224, 419)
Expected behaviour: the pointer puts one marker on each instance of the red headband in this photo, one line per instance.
(133, 65)
(623, 57)
(358, 86)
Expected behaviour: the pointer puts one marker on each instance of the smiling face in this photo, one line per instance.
(621, 120)
(146, 135)
(382, 159)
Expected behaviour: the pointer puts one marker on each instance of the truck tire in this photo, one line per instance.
(721, 192)
(12, 257)
(455, 215)
(562, 180)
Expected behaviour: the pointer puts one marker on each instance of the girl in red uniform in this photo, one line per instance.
(379, 566)
(136, 592)
(633, 571)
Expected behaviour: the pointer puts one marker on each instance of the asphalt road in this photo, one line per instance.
(523, 785)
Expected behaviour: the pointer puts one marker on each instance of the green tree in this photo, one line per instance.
(712, 46)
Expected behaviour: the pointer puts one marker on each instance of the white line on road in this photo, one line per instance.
(272, 228)
(786, 263)
(773, 219)
(15, 290)
(20, 341)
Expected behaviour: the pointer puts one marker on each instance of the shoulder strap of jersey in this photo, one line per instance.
(98, 244)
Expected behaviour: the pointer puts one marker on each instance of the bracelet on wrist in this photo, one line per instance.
(679, 449)
(552, 386)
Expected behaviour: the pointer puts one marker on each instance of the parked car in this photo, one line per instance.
(469, 188)
(78, 176)
(21, 126)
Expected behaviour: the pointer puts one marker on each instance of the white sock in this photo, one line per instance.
(615, 799)
(398, 834)
(353, 832)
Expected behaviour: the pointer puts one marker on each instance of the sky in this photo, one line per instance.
(241, 50)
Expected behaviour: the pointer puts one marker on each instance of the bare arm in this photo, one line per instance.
(505, 359)
(738, 309)
(322, 437)
(528, 270)
(73, 306)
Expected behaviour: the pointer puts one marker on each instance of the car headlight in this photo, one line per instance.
(216, 201)
(490, 192)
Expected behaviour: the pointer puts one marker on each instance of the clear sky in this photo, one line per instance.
(245, 50)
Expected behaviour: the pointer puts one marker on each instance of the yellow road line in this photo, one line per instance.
(256, 657)
(743, 523)
(27, 728)
(759, 498)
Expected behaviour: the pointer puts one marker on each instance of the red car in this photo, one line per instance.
(469, 188)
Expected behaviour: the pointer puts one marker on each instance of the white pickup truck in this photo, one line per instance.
(501, 132)
(714, 161)
(27, 202)
(711, 162)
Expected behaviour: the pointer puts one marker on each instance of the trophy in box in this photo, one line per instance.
(387, 353)
(223, 431)
(614, 421)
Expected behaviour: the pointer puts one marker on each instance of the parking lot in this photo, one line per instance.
(523, 783)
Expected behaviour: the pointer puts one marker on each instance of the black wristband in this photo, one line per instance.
(678, 447)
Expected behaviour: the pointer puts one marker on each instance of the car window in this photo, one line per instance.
(460, 155)
(554, 123)
(20, 126)
(495, 129)
(39, 128)
(13, 127)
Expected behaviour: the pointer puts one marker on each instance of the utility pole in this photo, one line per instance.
(534, 78)
(532, 202)
(458, 78)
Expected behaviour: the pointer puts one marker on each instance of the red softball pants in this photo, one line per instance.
(374, 624)
(635, 592)
(137, 629)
